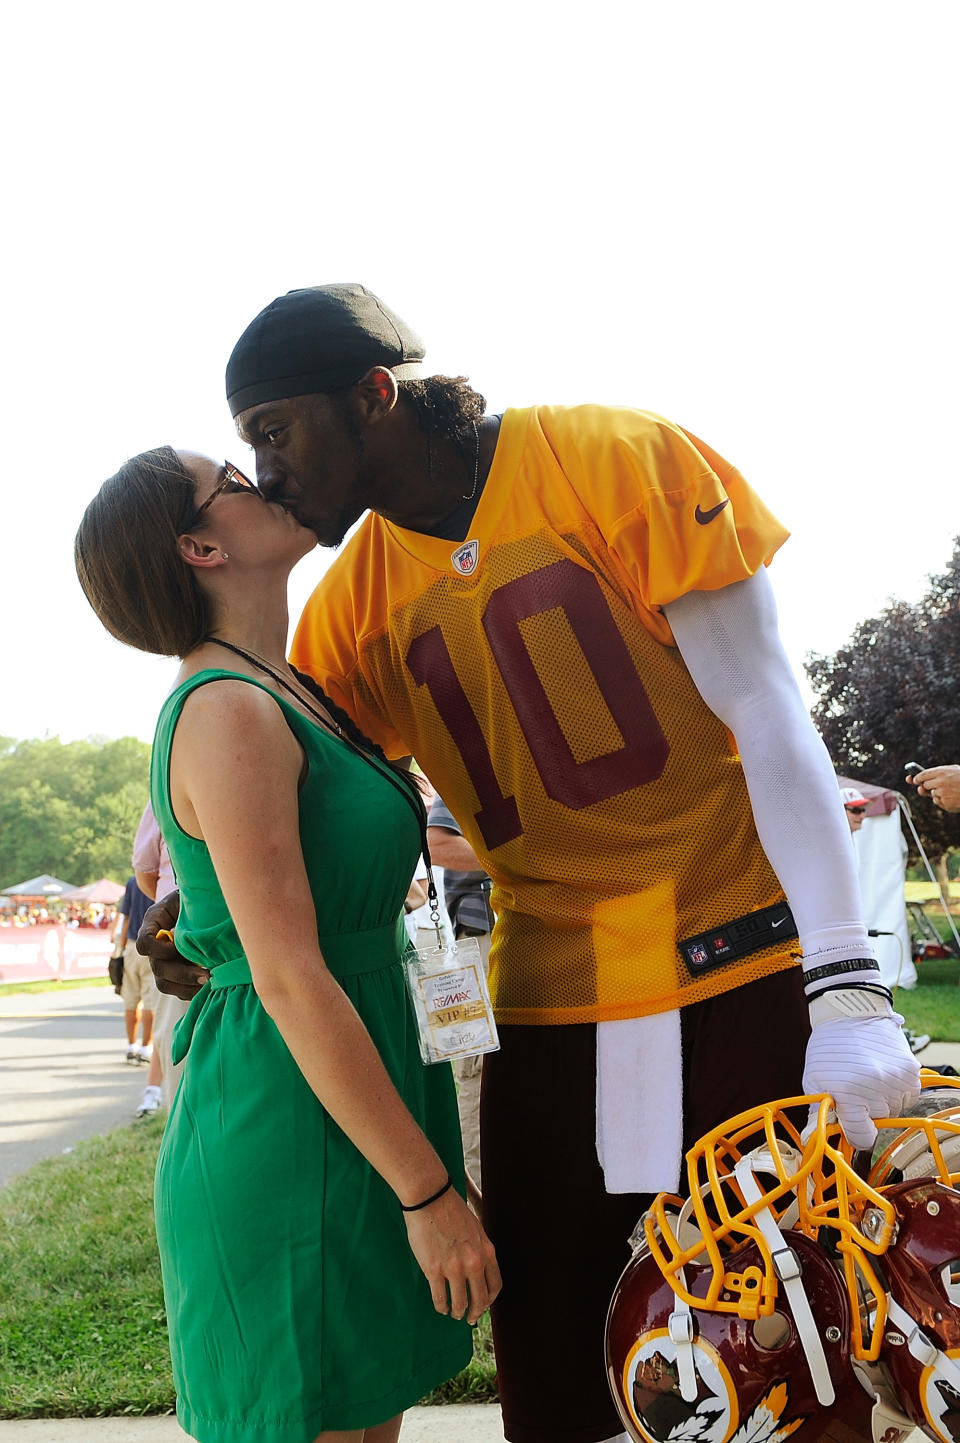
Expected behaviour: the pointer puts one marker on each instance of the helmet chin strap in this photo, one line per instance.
(920, 1346)
(680, 1322)
(680, 1328)
(680, 1325)
(787, 1267)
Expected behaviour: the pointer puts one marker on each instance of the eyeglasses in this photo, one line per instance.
(233, 480)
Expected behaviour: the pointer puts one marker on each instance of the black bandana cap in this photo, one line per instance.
(315, 340)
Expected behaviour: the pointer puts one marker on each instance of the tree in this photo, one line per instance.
(70, 808)
(892, 695)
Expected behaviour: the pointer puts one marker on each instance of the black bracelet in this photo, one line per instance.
(878, 989)
(837, 969)
(415, 1207)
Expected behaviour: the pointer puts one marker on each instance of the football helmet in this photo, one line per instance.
(732, 1322)
(915, 1165)
(756, 1176)
(799, 1287)
(691, 1375)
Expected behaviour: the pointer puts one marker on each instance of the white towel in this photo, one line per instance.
(640, 1103)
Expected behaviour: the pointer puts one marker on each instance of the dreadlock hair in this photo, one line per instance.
(445, 406)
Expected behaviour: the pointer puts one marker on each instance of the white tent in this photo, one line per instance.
(38, 888)
(881, 852)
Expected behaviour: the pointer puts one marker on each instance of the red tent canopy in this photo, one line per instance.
(880, 800)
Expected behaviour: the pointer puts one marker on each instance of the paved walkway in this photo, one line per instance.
(458, 1423)
(63, 1077)
(938, 1053)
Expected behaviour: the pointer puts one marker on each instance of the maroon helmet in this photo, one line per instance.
(751, 1310)
(916, 1168)
(747, 1379)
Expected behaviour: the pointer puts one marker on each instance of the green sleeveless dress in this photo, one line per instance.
(294, 1302)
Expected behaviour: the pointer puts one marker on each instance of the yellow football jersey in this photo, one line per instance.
(531, 672)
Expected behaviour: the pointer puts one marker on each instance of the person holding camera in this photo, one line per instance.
(941, 784)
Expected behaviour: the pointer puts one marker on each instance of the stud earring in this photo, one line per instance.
(225, 555)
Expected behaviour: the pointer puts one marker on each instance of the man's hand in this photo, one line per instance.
(858, 1054)
(940, 783)
(174, 974)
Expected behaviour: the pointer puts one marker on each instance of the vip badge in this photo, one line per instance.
(465, 558)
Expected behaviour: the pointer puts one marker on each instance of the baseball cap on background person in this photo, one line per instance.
(853, 799)
(318, 339)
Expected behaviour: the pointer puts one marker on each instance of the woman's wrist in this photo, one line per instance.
(433, 1197)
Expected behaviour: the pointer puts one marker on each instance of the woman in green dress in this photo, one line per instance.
(320, 1264)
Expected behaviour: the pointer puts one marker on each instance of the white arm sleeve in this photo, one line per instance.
(856, 1053)
(732, 649)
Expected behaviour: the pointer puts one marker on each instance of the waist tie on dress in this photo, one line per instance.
(347, 954)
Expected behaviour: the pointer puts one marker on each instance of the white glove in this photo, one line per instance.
(858, 1054)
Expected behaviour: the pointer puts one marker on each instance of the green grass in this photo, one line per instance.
(82, 1323)
(7, 989)
(477, 1383)
(941, 925)
(934, 1004)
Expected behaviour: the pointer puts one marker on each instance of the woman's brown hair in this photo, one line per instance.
(128, 561)
(133, 576)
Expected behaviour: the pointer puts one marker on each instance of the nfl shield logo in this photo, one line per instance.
(465, 558)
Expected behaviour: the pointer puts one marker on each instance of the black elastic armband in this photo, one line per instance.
(876, 988)
(839, 969)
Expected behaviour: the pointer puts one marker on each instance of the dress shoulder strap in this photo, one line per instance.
(164, 734)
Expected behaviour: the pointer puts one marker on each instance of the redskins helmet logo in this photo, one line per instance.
(651, 1388)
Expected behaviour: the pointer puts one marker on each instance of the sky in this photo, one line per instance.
(739, 215)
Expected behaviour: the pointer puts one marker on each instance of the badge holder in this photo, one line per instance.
(448, 987)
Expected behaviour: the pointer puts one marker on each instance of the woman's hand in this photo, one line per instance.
(455, 1255)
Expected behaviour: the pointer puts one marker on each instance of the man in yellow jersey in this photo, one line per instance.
(564, 615)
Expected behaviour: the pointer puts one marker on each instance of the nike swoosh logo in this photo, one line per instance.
(705, 517)
(778, 924)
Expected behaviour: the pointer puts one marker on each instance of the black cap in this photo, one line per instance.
(318, 339)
